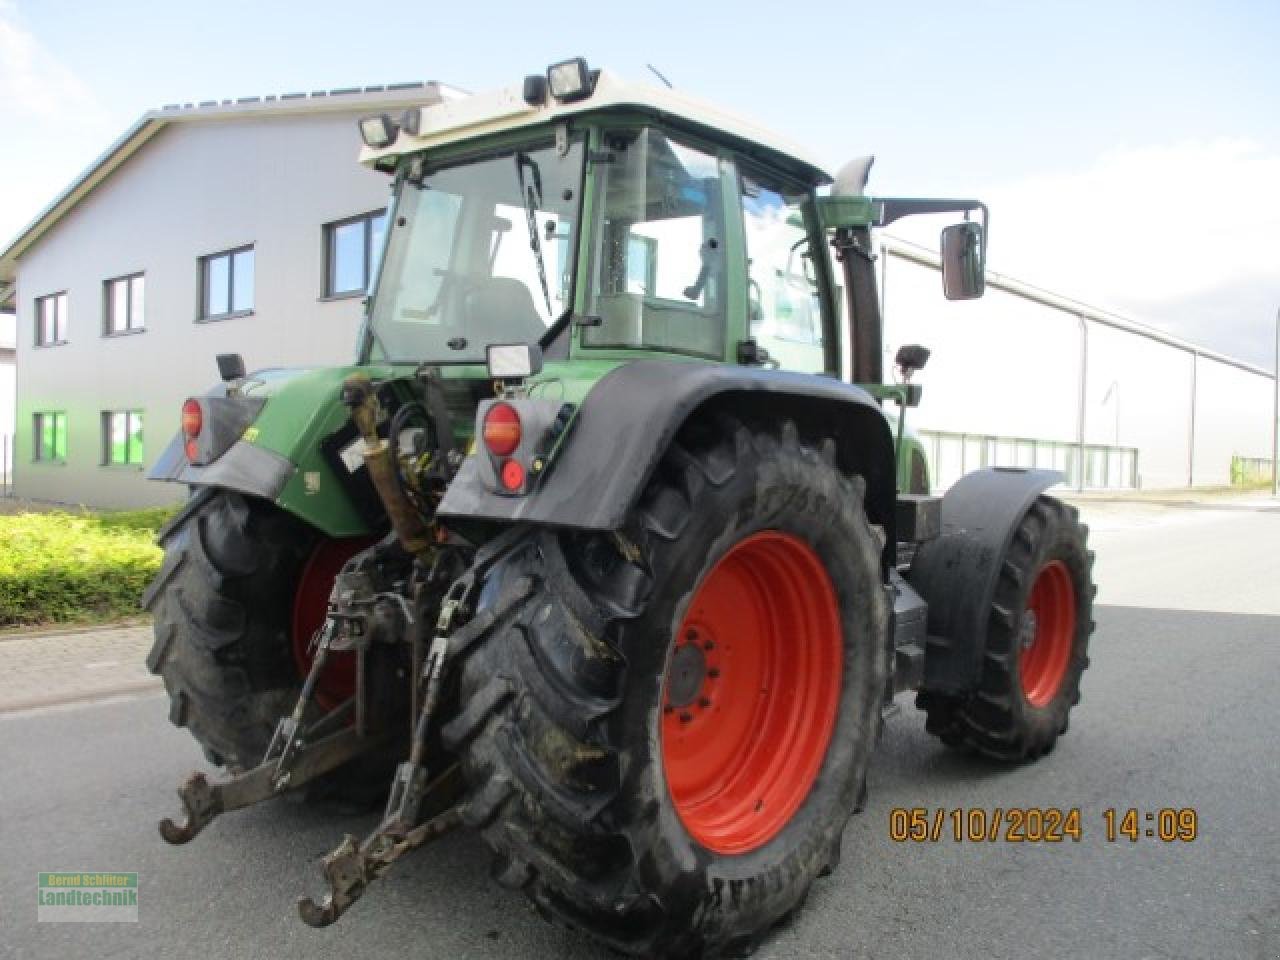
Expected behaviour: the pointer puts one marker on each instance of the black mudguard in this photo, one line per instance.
(630, 417)
(226, 460)
(956, 573)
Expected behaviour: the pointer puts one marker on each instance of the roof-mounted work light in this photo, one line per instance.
(378, 131)
(570, 80)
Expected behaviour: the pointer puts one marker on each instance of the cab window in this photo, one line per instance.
(784, 301)
(659, 267)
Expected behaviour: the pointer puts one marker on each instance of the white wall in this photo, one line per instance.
(198, 188)
(8, 394)
(1010, 366)
(1000, 365)
(1233, 418)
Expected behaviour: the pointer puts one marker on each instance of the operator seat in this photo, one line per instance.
(500, 310)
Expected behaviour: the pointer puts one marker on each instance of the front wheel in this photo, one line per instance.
(243, 588)
(1037, 643)
(664, 745)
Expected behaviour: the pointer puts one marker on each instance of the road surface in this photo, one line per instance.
(1180, 709)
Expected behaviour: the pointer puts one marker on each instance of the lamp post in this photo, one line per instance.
(1275, 416)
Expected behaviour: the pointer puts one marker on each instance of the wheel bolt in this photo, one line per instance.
(708, 645)
(686, 717)
(714, 673)
(703, 702)
(668, 709)
(691, 635)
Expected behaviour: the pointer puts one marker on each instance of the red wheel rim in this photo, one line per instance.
(338, 679)
(1048, 633)
(751, 692)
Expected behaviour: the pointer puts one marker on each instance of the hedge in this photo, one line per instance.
(76, 567)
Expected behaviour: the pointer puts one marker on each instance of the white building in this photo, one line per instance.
(235, 227)
(1036, 378)
(8, 396)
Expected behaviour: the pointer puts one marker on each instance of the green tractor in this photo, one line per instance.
(611, 545)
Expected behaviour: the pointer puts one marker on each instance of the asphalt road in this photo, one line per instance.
(1180, 709)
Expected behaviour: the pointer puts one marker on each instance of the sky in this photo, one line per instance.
(1129, 151)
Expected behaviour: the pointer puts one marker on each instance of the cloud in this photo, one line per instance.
(1150, 225)
(54, 123)
(33, 83)
(1180, 235)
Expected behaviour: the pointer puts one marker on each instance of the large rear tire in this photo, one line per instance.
(663, 745)
(224, 608)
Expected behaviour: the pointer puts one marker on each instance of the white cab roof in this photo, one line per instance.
(496, 111)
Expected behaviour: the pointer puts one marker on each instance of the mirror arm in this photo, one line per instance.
(895, 208)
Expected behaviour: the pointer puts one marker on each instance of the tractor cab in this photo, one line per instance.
(621, 219)
(604, 222)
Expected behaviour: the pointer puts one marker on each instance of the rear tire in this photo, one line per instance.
(1036, 646)
(223, 610)
(564, 720)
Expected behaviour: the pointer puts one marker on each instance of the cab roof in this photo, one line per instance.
(505, 109)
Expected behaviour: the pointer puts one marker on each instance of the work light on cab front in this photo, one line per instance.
(378, 131)
(569, 80)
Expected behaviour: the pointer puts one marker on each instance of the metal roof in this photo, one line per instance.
(390, 96)
(495, 111)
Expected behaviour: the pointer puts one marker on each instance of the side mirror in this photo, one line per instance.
(964, 258)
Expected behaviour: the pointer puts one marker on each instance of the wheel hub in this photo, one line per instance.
(1029, 628)
(687, 674)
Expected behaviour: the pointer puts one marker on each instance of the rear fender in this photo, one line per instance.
(956, 573)
(632, 415)
(281, 435)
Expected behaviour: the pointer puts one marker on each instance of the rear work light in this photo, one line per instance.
(501, 429)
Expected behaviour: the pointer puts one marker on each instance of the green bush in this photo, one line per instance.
(68, 567)
(149, 520)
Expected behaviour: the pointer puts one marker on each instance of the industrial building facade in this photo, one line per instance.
(242, 227)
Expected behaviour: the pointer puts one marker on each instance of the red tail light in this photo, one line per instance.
(512, 475)
(501, 429)
(192, 418)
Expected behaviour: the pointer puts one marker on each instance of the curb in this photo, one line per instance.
(53, 700)
(33, 633)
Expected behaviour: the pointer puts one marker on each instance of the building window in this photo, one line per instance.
(351, 251)
(51, 320)
(125, 300)
(50, 443)
(122, 438)
(226, 284)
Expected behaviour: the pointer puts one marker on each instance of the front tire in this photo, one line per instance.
(229, 599)
(1037, 643)
(624, 788)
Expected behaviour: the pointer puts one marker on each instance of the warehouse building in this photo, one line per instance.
(235, 227)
